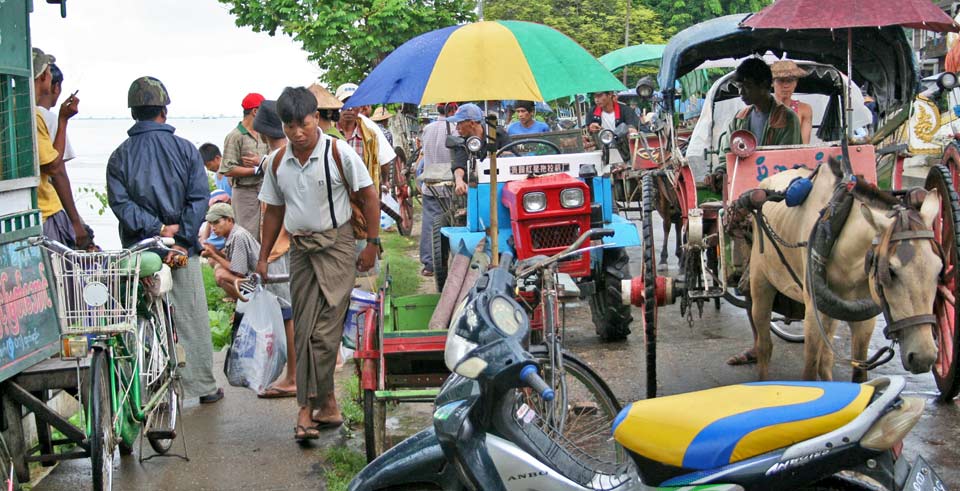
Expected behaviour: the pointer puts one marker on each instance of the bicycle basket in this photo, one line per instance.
(96, 291)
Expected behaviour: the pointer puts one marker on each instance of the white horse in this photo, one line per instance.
(901, 274)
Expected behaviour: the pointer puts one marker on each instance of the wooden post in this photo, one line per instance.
(494, 205)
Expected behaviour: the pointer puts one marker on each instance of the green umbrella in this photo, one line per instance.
(639, 54)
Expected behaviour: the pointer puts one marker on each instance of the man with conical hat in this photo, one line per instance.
(329, 110)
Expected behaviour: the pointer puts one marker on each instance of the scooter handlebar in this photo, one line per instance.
(532, 379)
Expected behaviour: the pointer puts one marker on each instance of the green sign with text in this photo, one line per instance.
(29, 329)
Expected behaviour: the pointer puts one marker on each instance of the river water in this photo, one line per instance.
(94, 140)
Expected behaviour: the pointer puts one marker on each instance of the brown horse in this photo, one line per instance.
(667, 204)
(900, 274)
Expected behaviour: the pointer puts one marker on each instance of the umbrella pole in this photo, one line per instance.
(494, 204)
(847, 94)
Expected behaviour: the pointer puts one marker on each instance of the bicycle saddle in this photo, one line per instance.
(712, 428)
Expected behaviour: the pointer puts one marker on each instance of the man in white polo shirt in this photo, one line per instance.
(310, 197)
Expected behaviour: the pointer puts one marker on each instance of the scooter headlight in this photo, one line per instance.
(534, 202)
(474, 144)
(571, 198)
(607, 137)
(457, 346)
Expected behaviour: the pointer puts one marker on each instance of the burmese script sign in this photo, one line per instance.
(29, 330)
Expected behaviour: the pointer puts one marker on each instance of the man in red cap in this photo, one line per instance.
(243, 149)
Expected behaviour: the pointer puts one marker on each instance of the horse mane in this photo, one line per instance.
(873, 196)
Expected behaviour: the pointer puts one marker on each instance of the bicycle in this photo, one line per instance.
(113, 307)
(583, 406)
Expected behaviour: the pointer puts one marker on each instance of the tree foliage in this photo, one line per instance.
(680, 14)
(597, 25)
(348, 38)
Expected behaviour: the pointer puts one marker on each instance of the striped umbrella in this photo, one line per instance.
(491, 60)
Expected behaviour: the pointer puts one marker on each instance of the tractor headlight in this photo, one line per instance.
(947, 80)
(607, 137)
(534, 202)
(571, 198)
(474, 144)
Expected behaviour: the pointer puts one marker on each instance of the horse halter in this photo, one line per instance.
(877, 264)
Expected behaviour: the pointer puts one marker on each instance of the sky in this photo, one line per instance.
(207, 63)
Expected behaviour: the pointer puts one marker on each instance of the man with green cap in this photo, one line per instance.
(61, 221)
(157, 185)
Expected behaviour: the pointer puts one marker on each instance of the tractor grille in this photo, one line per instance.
(554, 236)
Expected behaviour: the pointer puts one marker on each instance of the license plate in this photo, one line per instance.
(923, 478)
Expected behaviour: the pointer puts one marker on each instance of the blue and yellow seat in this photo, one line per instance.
(712, 428)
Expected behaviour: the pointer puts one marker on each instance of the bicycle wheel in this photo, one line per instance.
(374, 425)
(161, 425)
(583, 408)
(102, 441)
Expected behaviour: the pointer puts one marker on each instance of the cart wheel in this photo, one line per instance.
(947, 232)
(649, 282)
(441, 250)
(374, 425)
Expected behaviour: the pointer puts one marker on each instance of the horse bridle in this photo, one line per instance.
(877, 265)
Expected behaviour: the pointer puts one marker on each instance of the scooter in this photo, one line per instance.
(764, 435)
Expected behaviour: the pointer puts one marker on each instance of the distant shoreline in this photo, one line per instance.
(113, 118)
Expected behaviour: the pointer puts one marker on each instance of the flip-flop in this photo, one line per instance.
(308, 433)
(426, 272)
(745, 358)
(275, 393)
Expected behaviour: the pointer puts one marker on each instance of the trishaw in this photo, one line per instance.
(883, 60)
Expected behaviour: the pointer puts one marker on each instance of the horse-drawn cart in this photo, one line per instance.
(716, 251)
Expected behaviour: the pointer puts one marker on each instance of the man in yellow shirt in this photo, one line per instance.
(61, 221)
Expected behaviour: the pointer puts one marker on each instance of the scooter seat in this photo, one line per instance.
(712, 428)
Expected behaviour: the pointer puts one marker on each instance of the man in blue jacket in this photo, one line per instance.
(157, 185)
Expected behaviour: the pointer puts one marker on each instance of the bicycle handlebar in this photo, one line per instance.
(574, 248)
(156, 242)
(533, 380)
(252, 282)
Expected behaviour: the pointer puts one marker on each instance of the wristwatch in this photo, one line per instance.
(374, 241)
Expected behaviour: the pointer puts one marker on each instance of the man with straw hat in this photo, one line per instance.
(329, 107)
(785, 76)
(380, 116)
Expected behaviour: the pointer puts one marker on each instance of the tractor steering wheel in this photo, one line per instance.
(530, 141)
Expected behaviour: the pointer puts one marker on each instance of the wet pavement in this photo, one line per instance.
(244, 443)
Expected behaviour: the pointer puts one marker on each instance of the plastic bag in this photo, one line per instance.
(386, 221)
(360, 301)
(258, 353)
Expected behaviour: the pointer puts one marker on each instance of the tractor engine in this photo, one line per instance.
(547, 214)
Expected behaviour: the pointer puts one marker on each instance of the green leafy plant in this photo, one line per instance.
(349, 401)
(340, 465)
(219, 312)
(100, 203)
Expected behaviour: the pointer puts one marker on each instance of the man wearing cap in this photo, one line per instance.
(61, 221)
(435, 151)
(526, 124)
(469, 121)
(157, 185)
(242, 152)
(310, 197)
(785, 76)
(366, 138)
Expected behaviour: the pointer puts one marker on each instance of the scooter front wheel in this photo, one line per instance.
(583, 408)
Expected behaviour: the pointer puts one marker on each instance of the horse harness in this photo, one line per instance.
(877, 263)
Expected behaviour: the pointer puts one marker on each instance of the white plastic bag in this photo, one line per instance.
(258, 353)
(386, 221)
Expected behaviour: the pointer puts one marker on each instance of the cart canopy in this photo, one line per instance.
(882, 57)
